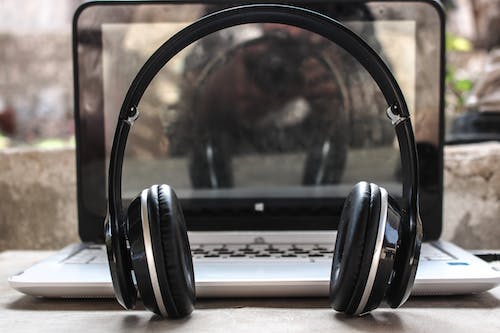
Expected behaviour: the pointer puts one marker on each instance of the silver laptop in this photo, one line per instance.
(261, 177)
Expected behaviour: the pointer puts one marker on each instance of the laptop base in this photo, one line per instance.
(451, 270)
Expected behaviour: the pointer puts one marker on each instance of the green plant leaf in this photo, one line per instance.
(457, 43)
(463, 85)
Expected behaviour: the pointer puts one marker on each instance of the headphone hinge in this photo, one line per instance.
(393, 113)
(133, 115)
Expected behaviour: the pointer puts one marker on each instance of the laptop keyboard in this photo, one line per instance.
(96, 254)
(262, 251)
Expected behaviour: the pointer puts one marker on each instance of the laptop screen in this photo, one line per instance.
(258, 126)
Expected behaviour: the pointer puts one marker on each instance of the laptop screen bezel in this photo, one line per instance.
(290, 215)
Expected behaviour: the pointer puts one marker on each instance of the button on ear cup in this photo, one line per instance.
(174, 264)
(356, 236)
(385, 252)
(119, 263)
(406, 257)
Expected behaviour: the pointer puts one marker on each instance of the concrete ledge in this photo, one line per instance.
(38, 197)
(472, 195)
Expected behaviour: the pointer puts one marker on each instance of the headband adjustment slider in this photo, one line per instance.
(133, 115)
(394, 114)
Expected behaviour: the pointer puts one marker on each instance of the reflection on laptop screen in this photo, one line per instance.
(261, 107)
(265, 111)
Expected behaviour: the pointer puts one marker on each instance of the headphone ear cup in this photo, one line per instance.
(160, 252)
(177, 259)
(354, 247)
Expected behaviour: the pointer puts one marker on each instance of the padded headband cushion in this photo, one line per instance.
(349, 253)
(176, 252)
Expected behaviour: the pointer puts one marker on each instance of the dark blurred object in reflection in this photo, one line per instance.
(473, 126)
(7, 119)
(276, 93)
(275, 69)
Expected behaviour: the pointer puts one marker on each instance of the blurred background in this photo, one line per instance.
(36, 83)
(37, 157)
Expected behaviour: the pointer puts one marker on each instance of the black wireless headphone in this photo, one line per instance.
(378, 240)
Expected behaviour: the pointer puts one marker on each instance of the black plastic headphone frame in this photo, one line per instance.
(320, 24)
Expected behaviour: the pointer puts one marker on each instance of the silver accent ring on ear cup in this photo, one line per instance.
(376, 253)
(150, 258)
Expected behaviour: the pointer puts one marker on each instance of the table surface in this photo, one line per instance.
(21, 313)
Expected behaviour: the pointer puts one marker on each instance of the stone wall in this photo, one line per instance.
(472, 195)
(38, 197)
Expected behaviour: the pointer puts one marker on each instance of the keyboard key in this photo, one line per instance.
(101, 259)
(251, 252)
(85, 256)
(219, 249)
(199, 252)
(276, 251)
(495, 265)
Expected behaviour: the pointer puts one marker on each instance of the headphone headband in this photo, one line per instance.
(313, 22)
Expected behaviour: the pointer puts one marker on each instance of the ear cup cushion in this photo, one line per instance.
(153, 208)
(138, 254)
(371, 232)
(350, 255)
(176, 252)
(349, 246)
